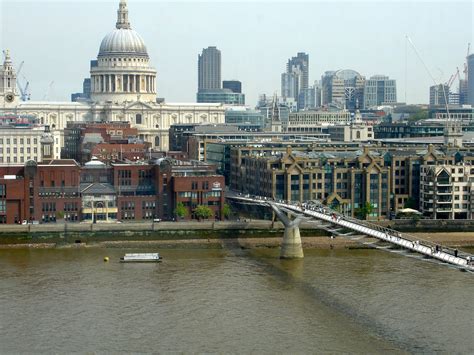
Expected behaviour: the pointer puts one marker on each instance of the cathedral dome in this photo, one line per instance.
(123, 41)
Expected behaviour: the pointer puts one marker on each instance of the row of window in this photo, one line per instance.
(16, 160)
(16, 140)
(48, 206)
(70, 206)
(195, 185)
(21, 150)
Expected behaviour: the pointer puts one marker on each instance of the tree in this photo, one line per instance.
(364, 211)
(180, 211)
(420, 115)
(203, 212)
(226, 211)
(410, 203)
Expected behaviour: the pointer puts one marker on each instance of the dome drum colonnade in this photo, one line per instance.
(122, 69)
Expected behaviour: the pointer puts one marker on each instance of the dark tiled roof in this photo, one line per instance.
(98, 188)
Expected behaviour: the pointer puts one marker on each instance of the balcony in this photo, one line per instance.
(444, 191)
(58, 191)
(444, 209)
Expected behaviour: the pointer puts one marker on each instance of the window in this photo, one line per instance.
(138, 118)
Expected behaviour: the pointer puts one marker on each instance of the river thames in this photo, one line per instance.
(238, 301)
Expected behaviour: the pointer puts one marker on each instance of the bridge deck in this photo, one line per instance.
(316, 210)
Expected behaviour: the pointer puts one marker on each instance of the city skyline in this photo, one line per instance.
(173, 44)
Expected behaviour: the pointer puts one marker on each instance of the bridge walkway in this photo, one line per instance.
(315, 209)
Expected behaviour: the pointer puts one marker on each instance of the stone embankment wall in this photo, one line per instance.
(430, 225)
(62, 233)
(206, 231)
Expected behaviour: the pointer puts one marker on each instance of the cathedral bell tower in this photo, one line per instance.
(8, 91)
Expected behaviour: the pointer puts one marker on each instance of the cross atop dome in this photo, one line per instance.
(122, 16)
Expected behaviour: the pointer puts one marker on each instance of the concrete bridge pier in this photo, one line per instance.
(291, 247)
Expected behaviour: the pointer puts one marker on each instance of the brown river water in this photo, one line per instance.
(232, 301)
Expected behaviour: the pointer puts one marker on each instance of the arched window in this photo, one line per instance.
(358, 134)
(138, 119)
(157, 141)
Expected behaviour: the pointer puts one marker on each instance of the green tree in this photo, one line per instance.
(410, 203)
(420, 115)
(180, 211)
(226, 211)
(364, 211)
(203, 212)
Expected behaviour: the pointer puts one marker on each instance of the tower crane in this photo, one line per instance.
(24, 93)
(452, 78)
(453, 130)
(46, 95)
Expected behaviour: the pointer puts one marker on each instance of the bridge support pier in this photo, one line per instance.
(291, 246)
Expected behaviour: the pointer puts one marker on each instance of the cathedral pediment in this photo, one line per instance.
(139, 105)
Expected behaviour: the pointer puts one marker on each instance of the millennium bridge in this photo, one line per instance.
(340, 225)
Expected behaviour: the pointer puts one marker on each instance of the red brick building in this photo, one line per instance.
(62, 190)
(191, 183)
(119, 151)
(40, 192)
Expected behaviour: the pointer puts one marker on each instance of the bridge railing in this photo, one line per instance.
(318, 206)
(390, 232)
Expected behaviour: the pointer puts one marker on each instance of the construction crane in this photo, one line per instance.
(46, 95)
(453, 128)
(25, 95)
(452, 78)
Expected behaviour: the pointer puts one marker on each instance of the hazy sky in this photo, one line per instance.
(57, 39)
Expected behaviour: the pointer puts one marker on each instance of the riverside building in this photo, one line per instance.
(345, 176)
(63, 191)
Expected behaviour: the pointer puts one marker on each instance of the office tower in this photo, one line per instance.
(470, 80)
(233, 85)
(301, 61)
(439, 94)
(463, 92)
(379, 90)
(294, 82)
(209, 69)
(343, 89)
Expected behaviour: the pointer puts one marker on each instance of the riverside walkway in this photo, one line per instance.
(355, 229)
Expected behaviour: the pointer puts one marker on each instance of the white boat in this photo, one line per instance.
(141, 257)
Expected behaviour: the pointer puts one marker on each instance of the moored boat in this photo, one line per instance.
(141, 257)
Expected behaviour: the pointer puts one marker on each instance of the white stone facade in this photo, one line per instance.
(123, 89)
(18, 145)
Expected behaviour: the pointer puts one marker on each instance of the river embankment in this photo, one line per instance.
(245, 234)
